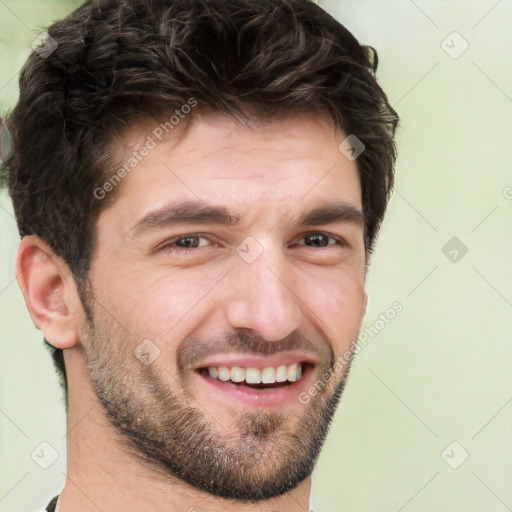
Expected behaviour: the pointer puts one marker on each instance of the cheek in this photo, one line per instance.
(339, 302)
(160, 302)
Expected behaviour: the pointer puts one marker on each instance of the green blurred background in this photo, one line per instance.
(425, 421)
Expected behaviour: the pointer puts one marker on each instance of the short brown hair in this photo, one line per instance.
(118, 58)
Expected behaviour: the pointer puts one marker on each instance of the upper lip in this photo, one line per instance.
(252, 361)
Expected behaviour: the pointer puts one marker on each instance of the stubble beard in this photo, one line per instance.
(169, 433)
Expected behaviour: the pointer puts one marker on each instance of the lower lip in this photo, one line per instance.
(271, 397)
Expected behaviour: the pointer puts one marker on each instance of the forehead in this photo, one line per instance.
(211, 155)
(222, 132)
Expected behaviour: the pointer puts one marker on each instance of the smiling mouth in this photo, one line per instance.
(257, 378)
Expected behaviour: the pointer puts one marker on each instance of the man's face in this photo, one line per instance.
(181, 300)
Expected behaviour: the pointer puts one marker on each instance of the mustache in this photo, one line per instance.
(195, 349)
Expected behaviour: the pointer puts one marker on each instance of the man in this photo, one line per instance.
(198, 185)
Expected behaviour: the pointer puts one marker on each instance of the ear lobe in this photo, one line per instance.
(49, 291)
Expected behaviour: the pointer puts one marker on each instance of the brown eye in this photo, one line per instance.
(317, 240)
(321, 240)
(184, 244)
(188, 242)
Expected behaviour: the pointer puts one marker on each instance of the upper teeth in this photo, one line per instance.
(268, 375)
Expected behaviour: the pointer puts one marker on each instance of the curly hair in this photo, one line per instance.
(118, 58)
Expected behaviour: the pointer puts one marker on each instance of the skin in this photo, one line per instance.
(294, 298)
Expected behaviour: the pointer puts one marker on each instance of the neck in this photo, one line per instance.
(104, 474)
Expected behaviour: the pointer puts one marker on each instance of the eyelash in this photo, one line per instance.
(170, 247)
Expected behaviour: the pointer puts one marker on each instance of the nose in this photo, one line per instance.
(263, 298)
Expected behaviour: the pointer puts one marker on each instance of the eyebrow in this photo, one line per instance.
(199, 213)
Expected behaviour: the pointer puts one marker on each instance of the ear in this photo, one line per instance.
(50, 292)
